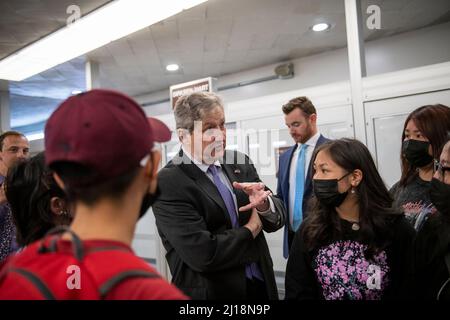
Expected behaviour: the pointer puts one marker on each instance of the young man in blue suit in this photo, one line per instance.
(295, 173)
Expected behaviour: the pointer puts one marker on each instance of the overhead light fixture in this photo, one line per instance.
(320, 27)
(74, 92)
(172, 67)
(88, 33)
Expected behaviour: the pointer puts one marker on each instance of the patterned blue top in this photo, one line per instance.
(8, 243)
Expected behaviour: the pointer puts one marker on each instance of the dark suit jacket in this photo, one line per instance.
(283, 186)
(206, 256)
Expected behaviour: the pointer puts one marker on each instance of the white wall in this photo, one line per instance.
(408, 50)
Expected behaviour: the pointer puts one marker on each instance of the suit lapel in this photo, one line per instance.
(202, 181)
(308, 181)
(286, 171)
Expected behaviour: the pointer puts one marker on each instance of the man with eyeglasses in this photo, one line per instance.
(14, 146)
(295, 173)
(432, 263)
(441, 168)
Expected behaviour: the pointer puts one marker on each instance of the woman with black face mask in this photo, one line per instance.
(424, 134)
(432, 262)
(353, 245)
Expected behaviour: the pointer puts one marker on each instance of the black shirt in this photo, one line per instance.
(340, 270)
(431, 272)
(414, 201)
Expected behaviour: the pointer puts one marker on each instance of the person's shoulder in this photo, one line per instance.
(322, 139)
(400, 226)
(394, 188)
(428, 231)
(168, 172)
(436, 229)
(146, 289)
(286, 153)
(24, 253)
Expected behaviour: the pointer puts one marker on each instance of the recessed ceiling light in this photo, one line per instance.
(172, 67)
(74, 92)
(320, 27)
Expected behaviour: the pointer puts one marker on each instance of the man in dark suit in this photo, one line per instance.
(212, 209)
(295, 165)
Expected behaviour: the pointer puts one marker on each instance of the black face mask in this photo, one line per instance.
(440, 195)
(148, 201)
(327, 192)
(416, 152)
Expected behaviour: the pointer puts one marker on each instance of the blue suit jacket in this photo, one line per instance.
(283, 186)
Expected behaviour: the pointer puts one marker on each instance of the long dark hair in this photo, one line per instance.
(433, 121)
(29, 187)
(375, 204)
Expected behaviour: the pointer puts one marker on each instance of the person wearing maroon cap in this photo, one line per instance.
(99, 145)
(212, 209)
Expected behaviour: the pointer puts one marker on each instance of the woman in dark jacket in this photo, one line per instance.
(353, 245)
(432, 254)
(424, 135)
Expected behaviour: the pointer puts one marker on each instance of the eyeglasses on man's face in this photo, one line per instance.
(441, 169)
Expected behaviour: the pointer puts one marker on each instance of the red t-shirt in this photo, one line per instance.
(135, 288)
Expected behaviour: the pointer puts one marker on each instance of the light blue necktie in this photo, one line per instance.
(299, 188)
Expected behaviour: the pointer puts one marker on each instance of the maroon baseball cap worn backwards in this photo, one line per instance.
(104, 130)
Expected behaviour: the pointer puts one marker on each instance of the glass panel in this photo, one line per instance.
(388, 136)
(232, 136)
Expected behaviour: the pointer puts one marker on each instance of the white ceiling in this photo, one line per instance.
(216, 38)
(227, 36)
(25, 21)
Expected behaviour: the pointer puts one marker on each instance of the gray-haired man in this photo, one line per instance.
(212, 209)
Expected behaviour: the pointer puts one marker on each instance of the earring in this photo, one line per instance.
(63, 212)
(353, 191)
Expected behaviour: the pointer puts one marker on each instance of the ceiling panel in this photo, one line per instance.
(213, 39)
(26, 21)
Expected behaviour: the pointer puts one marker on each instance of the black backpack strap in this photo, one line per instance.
(119, 278)
(77, 244)
(49, 244)
(35, 281)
